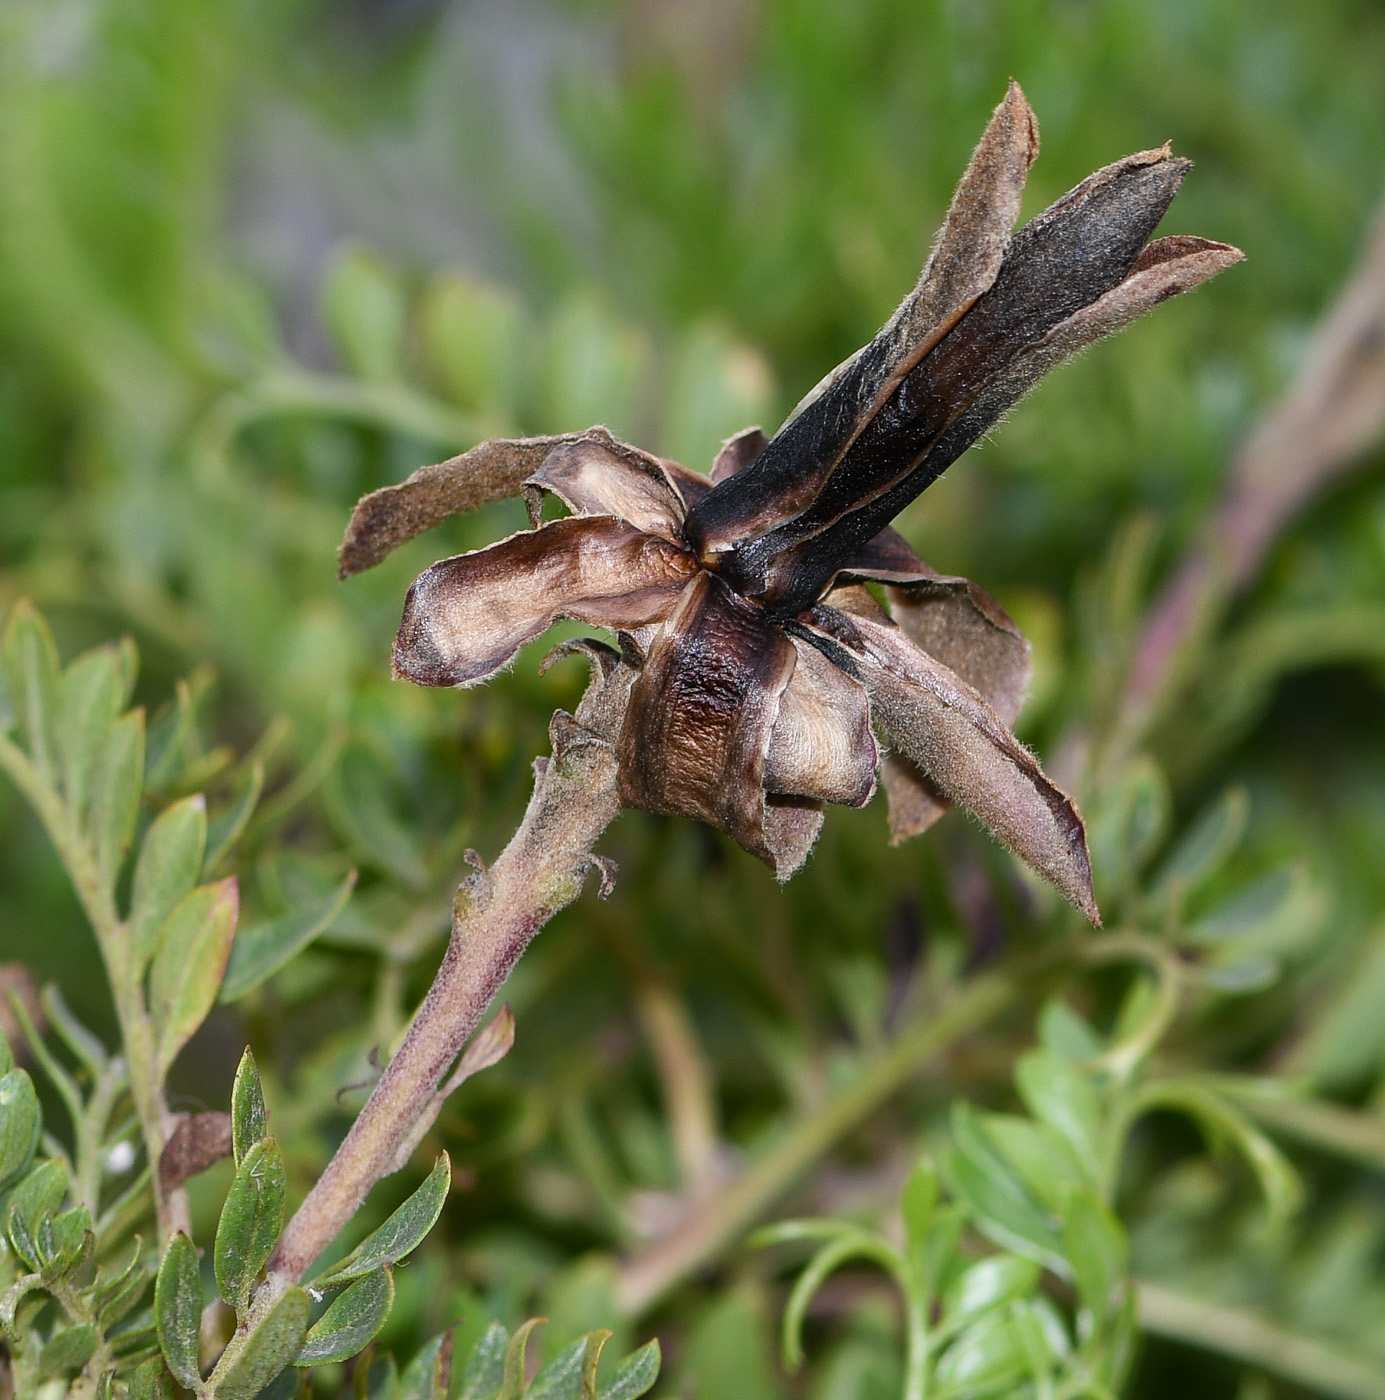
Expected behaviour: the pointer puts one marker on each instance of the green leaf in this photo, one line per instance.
(178, 1309)
(91, 696)
(170, 861)
(20, 1124)
(485, 1367)
(998, 1201)
(400, 1234)
(986, 1358)
(350, 1322)
(987, 1285)
(1041, 1159)
(189, 960)
(38, 1194)
(274, 1339)
(1056, 1092)
(250, 1222)
(635, 1375)
(68, 1350)
(115, 794)
(260, 950)
(117, 1296)
(512, 1386)
(249, 1117)
(426, 1376)
(1064, 1032)
(596, 366)
(65, 1241)
(364, 309)
(150, 1381)
(227, 826)
(6, 1058)
(561, 1379)
(1203, 849)
(31, 671)
(475, 338)
(917, 1203)
(591, 1360)
(1095, 1245)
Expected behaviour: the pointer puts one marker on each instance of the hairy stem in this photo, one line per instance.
(649, 1275)
(496, 914)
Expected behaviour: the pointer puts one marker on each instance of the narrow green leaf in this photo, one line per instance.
(227, 826)
(31, 671)
(178, 1309)
(66, 1241)
(635, 1375)
(485, 1367)
(986, 1285)
(381, 1380)
(516, 1353)
(1203, 849)
(118, 1296)
(591, 1359)
(150, 1381)
(20, 1125)
(986, 1358)
(115, 794)
(428, 1375)
(1056, 1092)
(363, 305)
(189, 960)
(250, 1222)
(1067, 1034)
(260, 950)
(917, 1203)
(1095, 1245)
(400, 1234)
(1036, 1154)
(250, 1363)
(249, 1117)
(38, 1194)
(170, 861)
(352, 1320)
(6, 1058)
(561, 1379)
(68, 1351)
(91, 696)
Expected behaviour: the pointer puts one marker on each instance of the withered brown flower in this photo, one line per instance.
(766, 668)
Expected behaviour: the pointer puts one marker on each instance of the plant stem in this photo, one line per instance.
(647, 1277)
(496, 914)
(1265, 1345)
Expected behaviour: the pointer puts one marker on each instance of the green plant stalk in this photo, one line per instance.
(113, 938)
(1266, 1345)
(650, 1274)
(496, 915)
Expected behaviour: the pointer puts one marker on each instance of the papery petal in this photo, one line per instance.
(466, 617)
(821, 745)
(805, 451)
(700, 719)
(389, 517)
(938, 722)
(597, 474)
(738, 452)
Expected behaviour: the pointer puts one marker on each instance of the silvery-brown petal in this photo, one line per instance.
(466, 617)
(915, 801)
(936, 720)
(599, 475)
(701, 714)
(821, 745)
(738, 452)
(965, 262)
(389, 517)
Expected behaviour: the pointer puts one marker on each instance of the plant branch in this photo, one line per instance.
(1265, 1345)
(496, 915)
(696, 1242)
(1331, 415)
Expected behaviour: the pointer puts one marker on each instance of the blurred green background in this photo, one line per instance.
(257, 259)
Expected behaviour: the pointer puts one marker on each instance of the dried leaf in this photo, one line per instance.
(199, 1141)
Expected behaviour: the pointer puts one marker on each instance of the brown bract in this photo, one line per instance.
(768, 675)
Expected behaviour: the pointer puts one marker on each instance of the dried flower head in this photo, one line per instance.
(765, 669)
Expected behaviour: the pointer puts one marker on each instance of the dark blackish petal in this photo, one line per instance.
(466, 617)
(792, 469)
(933, 718)
(982, 369)
(701, 716)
